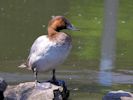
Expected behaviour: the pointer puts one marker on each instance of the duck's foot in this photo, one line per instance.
(42, 85)
(54, 81)
(61, 83)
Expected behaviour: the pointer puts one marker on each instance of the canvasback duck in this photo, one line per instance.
(49, 51)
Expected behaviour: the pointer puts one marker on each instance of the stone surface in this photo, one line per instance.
(3, 86)
(126, 98)
(28, 91)
(118, 95)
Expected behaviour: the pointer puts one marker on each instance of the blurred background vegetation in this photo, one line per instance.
(22, 21)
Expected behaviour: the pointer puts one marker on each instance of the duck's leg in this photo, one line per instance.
(54, 77)
(35, 74)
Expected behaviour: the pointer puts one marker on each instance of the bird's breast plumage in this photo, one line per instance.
(46, 54)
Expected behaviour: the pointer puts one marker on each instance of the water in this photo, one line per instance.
(21, 22)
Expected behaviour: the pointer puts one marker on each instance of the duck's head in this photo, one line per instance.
(60, 22)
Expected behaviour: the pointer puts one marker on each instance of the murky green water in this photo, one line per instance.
(22, 21)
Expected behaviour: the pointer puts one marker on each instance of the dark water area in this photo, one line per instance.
(21, 22)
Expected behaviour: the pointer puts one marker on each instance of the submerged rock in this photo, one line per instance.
(28, 91)
(118, 95)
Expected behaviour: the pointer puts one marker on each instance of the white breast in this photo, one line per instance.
(46, 55)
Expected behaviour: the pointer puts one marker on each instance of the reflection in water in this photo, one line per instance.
(105, 75)
(108, 42)
(105, 78)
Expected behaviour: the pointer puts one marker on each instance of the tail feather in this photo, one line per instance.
(24, 65)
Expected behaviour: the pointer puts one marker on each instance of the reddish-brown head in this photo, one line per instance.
(60, 22)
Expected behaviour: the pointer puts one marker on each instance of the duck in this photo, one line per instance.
(49, 51)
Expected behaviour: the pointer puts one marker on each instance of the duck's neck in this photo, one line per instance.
(52, 32)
